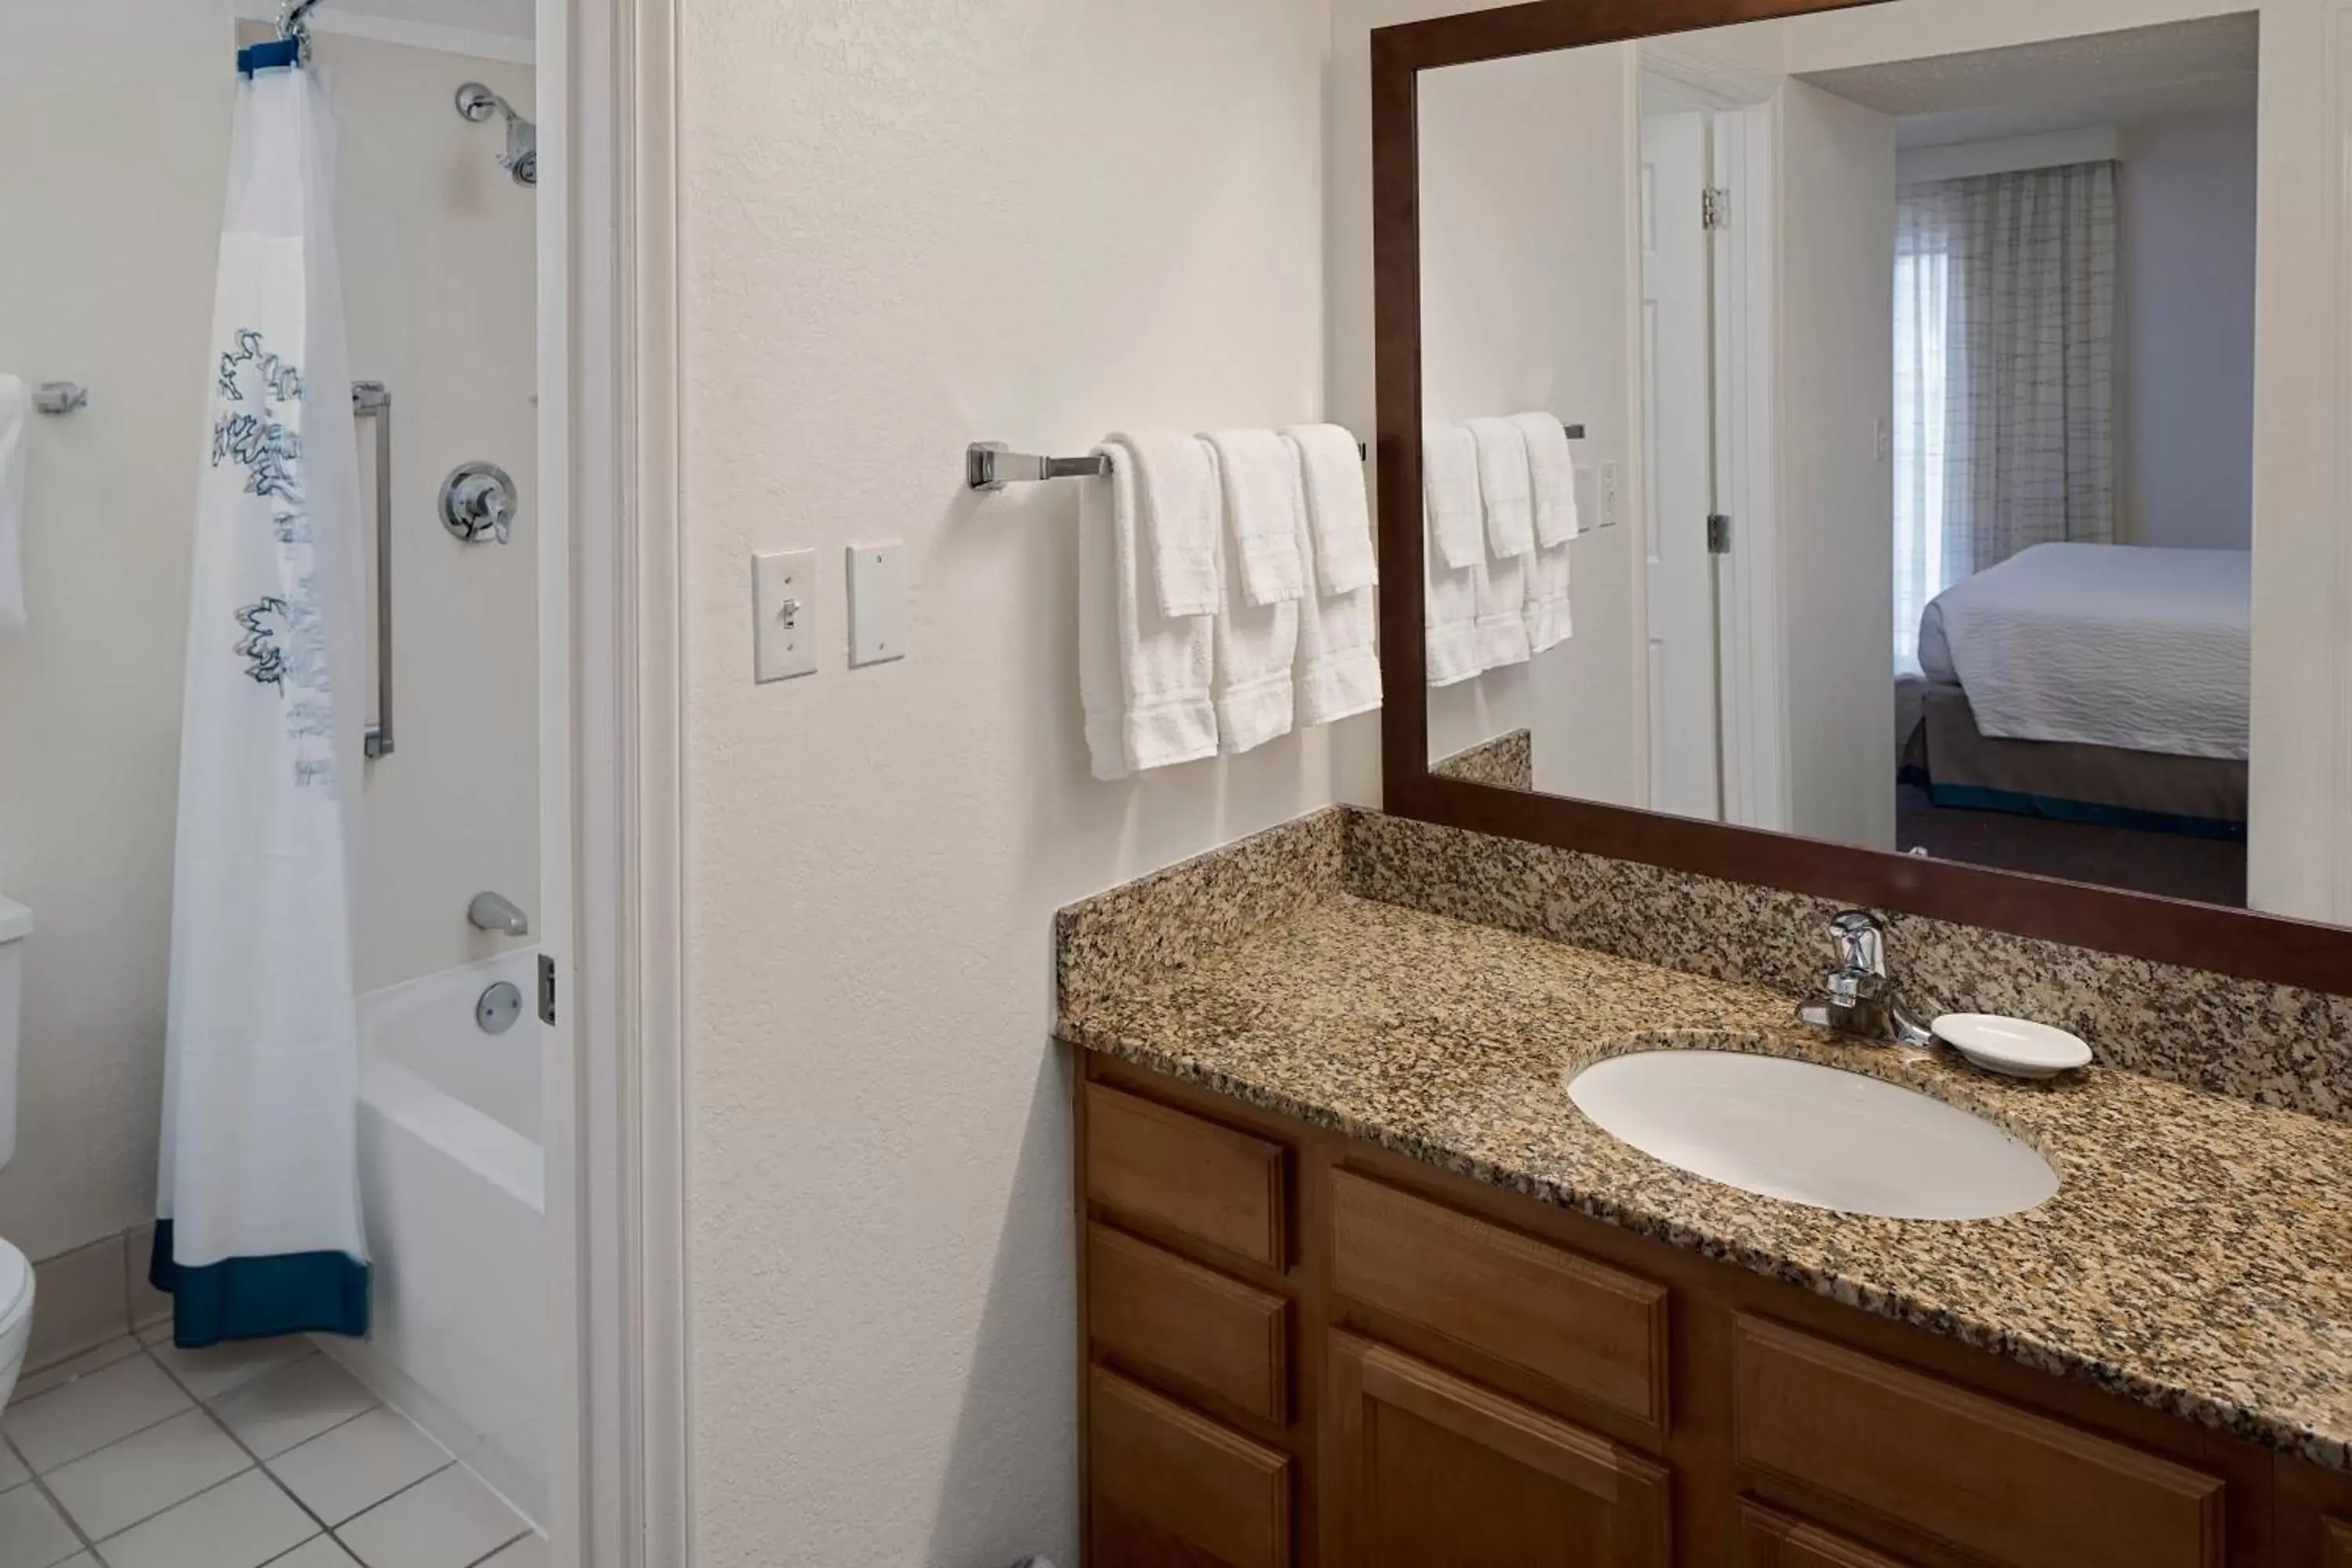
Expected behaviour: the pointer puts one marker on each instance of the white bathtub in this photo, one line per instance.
(453, 1185)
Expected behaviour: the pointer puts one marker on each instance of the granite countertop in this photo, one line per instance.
(2197, 1257)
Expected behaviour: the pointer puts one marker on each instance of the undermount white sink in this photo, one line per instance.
(1812, 1134)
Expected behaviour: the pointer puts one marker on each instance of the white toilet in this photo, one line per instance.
(15, 1273)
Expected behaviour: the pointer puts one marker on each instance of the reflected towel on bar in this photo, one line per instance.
(1449, 613)
(1505, 498)
(1551, 474)
(1549, 623)
(1449, 484)
(1339, 658)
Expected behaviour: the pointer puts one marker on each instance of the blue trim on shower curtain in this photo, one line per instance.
(269, 56)
(260, 1297)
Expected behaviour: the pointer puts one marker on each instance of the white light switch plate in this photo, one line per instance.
(783, 614)
(878, 603)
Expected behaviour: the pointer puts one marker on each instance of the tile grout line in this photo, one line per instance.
(246, 1449)
(336, 1530)
(494, 1551)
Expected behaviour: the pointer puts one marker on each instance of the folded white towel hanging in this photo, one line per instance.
(1449, 613)
(1338, 671)
(1255, 647)
(1257, 475)
(1504, 494)
(1499, 593)
(1338, 513)
(1176, 492)
(1551, 472)
(16, 408)
(1449, 483)
(1143, 677)
(1548, 617)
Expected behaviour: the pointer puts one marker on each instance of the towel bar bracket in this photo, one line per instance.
(991, 465)
(60, 396)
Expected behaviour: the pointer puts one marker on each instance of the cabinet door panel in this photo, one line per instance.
(2004, 1483)
(2339, 1543)
(1595, 1330)
(1431, 1471)
(1174, 1487)
(1771, 1539)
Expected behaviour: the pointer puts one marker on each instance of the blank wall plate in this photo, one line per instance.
(878, 603)
(783, 614)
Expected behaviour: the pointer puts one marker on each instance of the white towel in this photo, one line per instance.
(16, 408)
(1449, 484)
(1143, 677)
(1551, 472)
(1548, 621)
(1504, 491)
(1256, 645)
(1257, 474)
(1499, 591)
(1339, 656)
(1338, 513)
(1176, 489)
(1449, 613)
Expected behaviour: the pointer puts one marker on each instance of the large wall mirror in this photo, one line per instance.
(1894, 451)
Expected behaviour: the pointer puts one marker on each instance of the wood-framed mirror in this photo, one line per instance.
(1960, 520)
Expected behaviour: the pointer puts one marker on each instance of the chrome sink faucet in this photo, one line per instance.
(1858, 996)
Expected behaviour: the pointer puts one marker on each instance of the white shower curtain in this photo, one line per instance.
(258, 1205)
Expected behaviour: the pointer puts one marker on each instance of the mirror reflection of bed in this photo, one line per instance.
(2080, 711)
(1919, 497)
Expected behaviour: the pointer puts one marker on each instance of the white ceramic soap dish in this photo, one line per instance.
(2017, 1046)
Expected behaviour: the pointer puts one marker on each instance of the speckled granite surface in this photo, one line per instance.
(2274, 1044)
(1507, 761)
(2197, 1257)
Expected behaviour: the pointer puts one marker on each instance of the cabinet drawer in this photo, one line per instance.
(1588, 1328)
(1769, 1539)
(1170, 1486)
(2018, 1488)
(1223, 1187)
(1150, 1307)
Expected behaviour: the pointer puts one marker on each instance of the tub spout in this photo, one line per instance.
(493, 913)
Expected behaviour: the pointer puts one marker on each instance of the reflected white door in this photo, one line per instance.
(1677, 352)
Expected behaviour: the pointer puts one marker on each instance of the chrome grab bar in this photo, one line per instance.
(373, 400)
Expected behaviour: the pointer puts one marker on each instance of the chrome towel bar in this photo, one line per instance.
(373, 400)
(993, 465)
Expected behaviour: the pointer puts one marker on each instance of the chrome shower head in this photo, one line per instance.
(520, 160)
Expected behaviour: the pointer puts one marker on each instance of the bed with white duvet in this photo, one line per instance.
(2099, 682)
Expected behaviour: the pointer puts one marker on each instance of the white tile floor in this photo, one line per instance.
(144, 1456)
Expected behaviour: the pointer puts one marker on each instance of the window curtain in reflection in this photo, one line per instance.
(2004, 374)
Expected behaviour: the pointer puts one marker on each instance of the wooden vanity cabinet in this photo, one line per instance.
(1302, 1351)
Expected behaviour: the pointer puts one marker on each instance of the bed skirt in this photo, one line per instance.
(1959, 766)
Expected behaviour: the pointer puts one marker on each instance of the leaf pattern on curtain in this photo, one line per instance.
(2004, 374)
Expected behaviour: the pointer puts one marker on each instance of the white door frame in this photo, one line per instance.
(611, 729)
(1753, 683)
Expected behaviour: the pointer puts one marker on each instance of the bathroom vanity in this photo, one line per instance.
(1362, 1287)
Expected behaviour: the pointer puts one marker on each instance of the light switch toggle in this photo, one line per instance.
(783, 640)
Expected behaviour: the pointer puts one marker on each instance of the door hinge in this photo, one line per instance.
(546, 989)
(1714, 207)
(1718, 535)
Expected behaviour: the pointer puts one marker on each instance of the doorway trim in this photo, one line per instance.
(620, 1477)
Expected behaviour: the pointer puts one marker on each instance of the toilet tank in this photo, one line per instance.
(15, 925)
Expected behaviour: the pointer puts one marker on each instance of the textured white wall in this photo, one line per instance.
(907, 227)
(2187, 303)
(107, 239)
